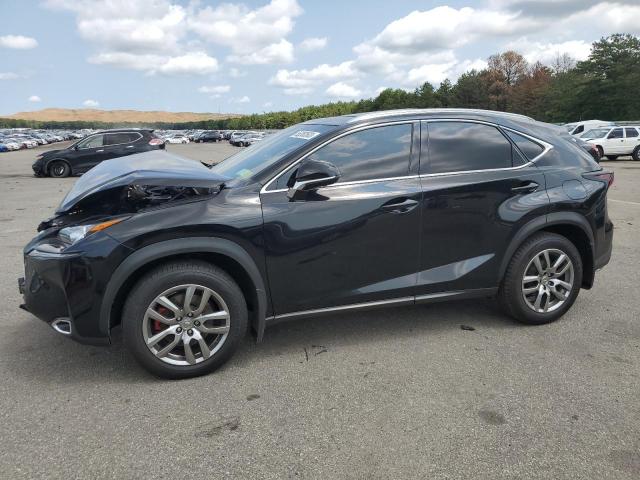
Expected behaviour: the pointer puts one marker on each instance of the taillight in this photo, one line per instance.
(602, 176)
(156, 141)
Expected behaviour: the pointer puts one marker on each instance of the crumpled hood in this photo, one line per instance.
(156, 167)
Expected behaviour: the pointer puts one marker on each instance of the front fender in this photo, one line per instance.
(168, 248)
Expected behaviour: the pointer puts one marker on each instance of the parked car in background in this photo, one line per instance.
(325, 216)
(177, 139)
(616, 141)
(90, 151)
(235, 137)
(588, 147)
(3, 147)
(206, 137)
(578, 128)
(250, 139)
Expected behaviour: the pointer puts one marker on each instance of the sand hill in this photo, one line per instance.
(116, 116)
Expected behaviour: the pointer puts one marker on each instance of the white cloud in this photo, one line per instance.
(267, 104)
(214, 89)
(198, 63)
(149, 26)
(546, 53)
(303, 81)
(343, 90)
(281, 52)
(313, 43)
(191, 63)
(34, 98)
(18, 42)
(254, 36)
(9, 76)
(91, 103)
(244, 99)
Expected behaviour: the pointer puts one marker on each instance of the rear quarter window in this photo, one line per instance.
(529, 148)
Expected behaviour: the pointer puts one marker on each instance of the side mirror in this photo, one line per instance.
(313, 174)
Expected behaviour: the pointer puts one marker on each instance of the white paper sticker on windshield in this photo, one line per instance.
(305, 134)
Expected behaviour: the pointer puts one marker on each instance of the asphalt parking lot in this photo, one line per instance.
(394, 393)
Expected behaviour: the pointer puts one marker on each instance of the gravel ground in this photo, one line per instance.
(394, 393)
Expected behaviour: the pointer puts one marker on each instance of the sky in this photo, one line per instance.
(267, 55)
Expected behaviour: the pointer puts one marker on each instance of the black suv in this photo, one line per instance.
(209, 137)
(93, 149)
(335, 214)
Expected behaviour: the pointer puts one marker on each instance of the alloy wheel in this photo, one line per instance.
(186, 324)
(548, 280)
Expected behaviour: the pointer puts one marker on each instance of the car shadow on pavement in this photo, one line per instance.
(60, 360)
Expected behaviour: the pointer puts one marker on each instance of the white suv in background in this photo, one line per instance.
(616, 141)
(577, 129)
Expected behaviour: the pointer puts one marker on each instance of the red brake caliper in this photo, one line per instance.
(157, 325)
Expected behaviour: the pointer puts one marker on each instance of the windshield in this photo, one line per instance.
(596, 133)
(262, 154)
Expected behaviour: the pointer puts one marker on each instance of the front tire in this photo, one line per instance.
(612, 157)
(184, 319)
(636, 154)
(59, 169)
(542, 280)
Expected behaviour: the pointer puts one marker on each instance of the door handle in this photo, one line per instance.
(526, 188)
(402, 205)
(130, 146)
(99, 151)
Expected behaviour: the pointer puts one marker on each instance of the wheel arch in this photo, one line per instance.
(570, 225)
(225, 254)
(47, 165)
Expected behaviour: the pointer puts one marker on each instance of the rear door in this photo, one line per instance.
(120, 144)
(354, 241)
(478, 189)
(631, 140)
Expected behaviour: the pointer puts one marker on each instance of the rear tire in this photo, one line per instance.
(600, 151)
(59, 169)
(526, 290)
(636, 154)
(180, 353)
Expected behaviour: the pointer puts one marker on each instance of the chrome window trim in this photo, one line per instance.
(547, 147)
(264, 189)
(110, 133)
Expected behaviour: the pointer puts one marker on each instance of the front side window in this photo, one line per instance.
(463, 146)
(580, 129)
(616, 133)
(374, 153)
(631, 132)
(92, 142)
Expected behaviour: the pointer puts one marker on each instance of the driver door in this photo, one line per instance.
(89, 153)
(356, 240)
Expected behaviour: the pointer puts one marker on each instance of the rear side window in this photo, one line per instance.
(631, 132)
(580, 129)
(529, 148)
(122, 137)
(379, 152)
(615, 133)
(462, 146)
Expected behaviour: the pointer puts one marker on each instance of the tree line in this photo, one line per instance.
(605, 86)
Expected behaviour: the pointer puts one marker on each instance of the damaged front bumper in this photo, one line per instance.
(65, 289)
